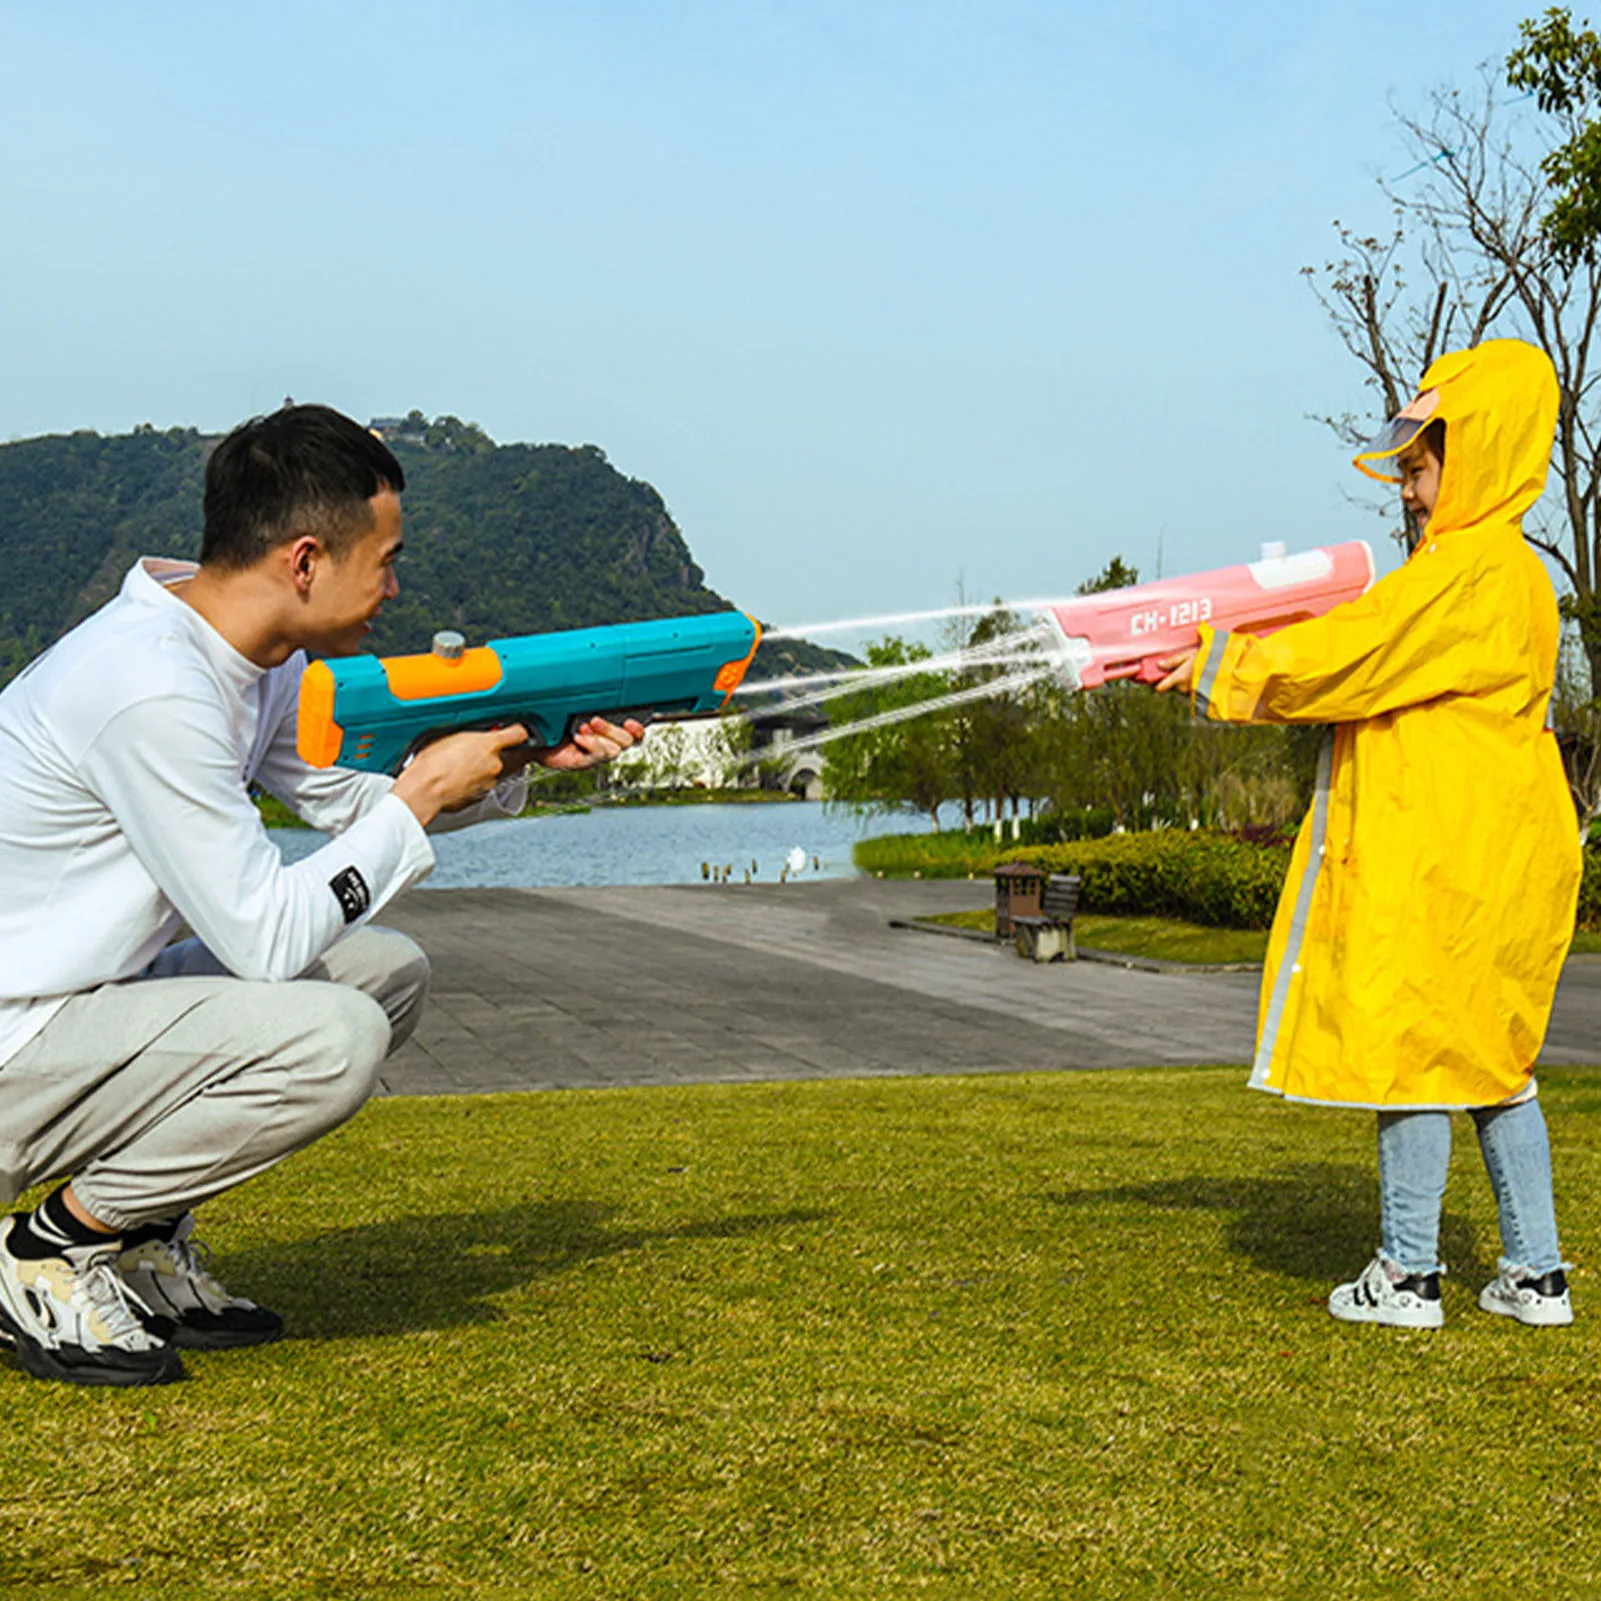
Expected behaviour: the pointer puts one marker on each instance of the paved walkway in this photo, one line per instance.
(549, 989)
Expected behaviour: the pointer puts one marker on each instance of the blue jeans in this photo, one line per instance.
(1414, 1152)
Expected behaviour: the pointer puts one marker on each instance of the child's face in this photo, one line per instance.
(1420, 481)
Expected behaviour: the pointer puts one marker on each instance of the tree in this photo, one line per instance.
(1561, 67)
(902, 764)
(1478, 247)
(998, 726)
(1467, 256)
(1463, 258)
(728, 754)
(992, 732)
(1146, 759)
(1116, 574)
(667, 757)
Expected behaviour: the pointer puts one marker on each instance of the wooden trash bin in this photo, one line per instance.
(1018, 886)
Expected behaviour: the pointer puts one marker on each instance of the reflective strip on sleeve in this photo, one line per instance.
(1303, 906)
(1214, 660)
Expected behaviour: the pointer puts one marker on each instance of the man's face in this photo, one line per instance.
(1420, 481)
(345, 595)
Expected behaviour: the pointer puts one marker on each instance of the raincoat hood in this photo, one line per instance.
(1498, 402)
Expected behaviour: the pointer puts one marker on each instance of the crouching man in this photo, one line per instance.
(152, 1075)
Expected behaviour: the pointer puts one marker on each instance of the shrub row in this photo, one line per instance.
(1589, 918)
(1199, 877)
(1202, 878)
(952, 855)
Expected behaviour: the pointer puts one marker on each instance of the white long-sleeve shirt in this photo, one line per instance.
(126, 752)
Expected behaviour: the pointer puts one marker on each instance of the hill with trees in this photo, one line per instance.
(500, 539)
(75, 510)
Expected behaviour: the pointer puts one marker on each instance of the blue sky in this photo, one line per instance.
(883, 297)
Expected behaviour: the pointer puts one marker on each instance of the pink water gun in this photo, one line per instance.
(1124, 633)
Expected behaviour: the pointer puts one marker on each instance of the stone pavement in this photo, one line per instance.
(568, 988)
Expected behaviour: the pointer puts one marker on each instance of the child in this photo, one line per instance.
(1431, 892)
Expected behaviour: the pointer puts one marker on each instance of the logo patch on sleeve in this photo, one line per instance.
(350, 890)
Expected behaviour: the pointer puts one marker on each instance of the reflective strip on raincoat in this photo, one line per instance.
(1432, 887)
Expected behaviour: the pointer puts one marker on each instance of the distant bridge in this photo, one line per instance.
(799, 772)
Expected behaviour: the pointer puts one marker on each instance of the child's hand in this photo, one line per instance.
(1180, 670)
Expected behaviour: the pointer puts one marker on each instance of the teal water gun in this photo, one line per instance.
(373, 712)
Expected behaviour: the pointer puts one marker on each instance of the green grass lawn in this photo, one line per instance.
(1054, 1335)
(1170, 940)
(1165, 938)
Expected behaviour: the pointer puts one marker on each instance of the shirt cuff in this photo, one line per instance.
(506, 799)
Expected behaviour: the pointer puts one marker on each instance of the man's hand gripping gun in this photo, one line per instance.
(1127, 633)
(373, 712)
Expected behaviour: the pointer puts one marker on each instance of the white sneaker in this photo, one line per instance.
(173, 1280)
(70, 1318)
(1384, 1294)
(1542, 1301)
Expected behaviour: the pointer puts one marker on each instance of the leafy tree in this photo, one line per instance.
(1560, 65)
(1492, 233)
(983, 732)
(1468, 255)
(731, 745)
(75, 510)
(902, 764)
(1148, 760)
(1116, 574)
(666, 763)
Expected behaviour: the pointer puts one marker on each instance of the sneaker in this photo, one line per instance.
(185, 1304)
(71, 1318)
(1384, 1294)
(1542, 1301)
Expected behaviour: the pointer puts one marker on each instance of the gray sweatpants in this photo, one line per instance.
(160, 1092)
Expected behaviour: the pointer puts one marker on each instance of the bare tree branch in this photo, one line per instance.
(1468, 229)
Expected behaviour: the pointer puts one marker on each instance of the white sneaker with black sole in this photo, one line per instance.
(186, 1305)
(1540, 1300)
(69, 1317)
(1384, 1294)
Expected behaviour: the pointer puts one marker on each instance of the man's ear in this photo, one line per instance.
(303, 555)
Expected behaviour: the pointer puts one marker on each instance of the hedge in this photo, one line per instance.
(1199, 877)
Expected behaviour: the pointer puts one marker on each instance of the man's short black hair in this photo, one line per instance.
(303, 469)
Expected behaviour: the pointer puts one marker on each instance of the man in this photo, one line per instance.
(150, 1074)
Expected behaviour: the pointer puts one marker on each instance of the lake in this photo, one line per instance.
(642, 845)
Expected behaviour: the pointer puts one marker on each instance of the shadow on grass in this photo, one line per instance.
(1313, 1220)
(439, 1271)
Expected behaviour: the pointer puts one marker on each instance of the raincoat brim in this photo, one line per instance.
(1377, 458)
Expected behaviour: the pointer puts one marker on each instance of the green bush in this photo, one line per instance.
(1589, 917)
(273, 811)
(1200, 878)
(1209, 878)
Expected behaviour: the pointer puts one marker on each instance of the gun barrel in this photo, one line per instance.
(1124, 633)
(373, 712)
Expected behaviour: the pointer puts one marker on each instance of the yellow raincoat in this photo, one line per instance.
(1431, 891)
